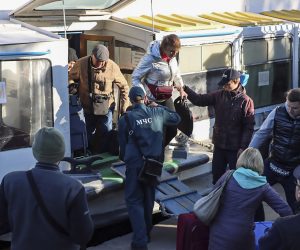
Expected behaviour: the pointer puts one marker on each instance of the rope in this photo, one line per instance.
(152, 16)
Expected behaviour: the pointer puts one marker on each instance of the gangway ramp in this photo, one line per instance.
(173, 196)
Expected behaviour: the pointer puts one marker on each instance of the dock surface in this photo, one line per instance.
(163, 236)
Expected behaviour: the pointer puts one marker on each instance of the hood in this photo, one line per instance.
(248, 178)
(153, 49)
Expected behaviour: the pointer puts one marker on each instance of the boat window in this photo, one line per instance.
(202, 67)
(78, 4)
(205, 57)
(216, 56)
(255, 52)
(187, 65)
(279, 49)
(25, 101)
(269, 64)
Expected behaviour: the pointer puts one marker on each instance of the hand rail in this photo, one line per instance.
(25, 53)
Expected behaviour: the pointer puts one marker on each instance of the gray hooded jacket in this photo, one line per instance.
(154, 70)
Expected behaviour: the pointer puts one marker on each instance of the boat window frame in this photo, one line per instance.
(28, 110)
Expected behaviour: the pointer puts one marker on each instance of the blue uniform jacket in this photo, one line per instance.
(147, 124)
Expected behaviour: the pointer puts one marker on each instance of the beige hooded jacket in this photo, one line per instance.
(102, 80)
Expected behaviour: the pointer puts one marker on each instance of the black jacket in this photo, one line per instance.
(286, 139)
(234, 116)
(63, 196)
(283, 235)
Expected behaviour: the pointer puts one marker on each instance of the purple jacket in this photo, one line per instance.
(232, 227)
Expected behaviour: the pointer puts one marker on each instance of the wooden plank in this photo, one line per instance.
(182, 187)
(183, 197)
(179, 194)
(184, 201)
(171, 206)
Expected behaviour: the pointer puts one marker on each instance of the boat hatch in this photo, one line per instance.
(72, 8)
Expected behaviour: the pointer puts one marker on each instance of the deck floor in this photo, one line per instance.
(163, 236)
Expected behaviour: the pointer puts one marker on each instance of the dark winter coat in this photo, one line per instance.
(234, 116)
(283, 235)
(64, 198)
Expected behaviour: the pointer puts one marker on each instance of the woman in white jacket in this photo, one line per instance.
(158, 74)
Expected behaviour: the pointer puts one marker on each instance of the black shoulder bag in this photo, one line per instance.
(42, 205)
(100, 102)
(152, 168)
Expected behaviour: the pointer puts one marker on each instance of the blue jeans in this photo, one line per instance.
(99, 126)
(139, 201)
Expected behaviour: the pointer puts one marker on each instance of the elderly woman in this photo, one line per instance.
(232, 227)
(158, 74)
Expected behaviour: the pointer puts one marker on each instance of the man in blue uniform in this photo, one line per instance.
(147, 124)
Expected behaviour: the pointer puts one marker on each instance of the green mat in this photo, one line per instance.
(109, 175)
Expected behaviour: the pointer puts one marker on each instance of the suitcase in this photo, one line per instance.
(192, 234)
(260, 228)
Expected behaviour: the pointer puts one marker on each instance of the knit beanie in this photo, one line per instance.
(48, 145)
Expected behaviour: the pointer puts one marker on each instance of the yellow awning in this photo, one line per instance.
(175, 22)
(242, 19)
(289, 15)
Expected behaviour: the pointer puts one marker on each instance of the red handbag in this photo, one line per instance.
(161, 92)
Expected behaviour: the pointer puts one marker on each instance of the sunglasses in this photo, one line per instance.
(172, 50)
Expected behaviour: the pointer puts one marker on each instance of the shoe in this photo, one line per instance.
(181, 139)
(133, 247)
(139, 248)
